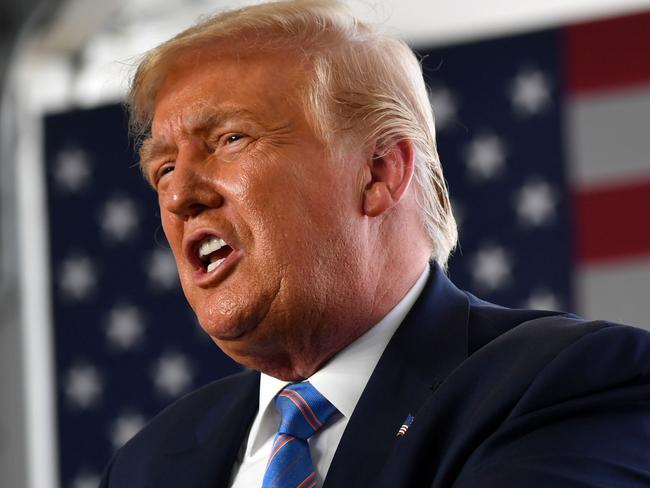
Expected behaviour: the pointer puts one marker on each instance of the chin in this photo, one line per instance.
(248, 344)
(226, 330)
(273, 363)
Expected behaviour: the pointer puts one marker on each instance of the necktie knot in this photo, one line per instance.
(303, 410)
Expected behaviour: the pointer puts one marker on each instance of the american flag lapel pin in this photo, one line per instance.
(405, 426)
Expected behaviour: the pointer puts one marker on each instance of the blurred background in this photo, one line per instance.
(543, 120)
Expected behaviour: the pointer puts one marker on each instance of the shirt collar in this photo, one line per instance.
(343, 379)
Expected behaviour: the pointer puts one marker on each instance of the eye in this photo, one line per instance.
(233, 141)
(164, 169)
(231, 138)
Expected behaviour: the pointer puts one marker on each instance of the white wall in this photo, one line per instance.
(113, 34)
(443, 21)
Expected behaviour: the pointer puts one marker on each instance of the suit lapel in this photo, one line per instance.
(205, 456)
(429, 344)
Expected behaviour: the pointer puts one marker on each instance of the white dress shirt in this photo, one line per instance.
(341, 381)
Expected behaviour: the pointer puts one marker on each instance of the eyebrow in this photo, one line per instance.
(151, 149)
(208, 119)
(199, 121)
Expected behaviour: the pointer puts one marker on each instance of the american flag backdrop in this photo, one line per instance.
(544, 139)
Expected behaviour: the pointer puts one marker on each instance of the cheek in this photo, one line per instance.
(172, 228)
(292, 203)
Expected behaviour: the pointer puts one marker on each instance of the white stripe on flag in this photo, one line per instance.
(610, 135)
(616, 292)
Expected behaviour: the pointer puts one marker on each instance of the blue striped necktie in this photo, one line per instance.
(303, 411)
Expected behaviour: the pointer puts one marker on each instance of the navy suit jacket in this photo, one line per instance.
(500, 398)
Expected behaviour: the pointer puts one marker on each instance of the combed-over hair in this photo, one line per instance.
(365, 84)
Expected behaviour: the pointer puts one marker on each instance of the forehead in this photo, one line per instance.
(259, 85)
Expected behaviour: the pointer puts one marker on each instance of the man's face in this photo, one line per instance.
(234, 159)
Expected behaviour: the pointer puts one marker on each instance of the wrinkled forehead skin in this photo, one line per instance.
(152, 74)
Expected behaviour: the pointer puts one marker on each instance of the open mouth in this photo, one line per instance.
(211, 252)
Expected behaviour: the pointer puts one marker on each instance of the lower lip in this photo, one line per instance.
(217, 275)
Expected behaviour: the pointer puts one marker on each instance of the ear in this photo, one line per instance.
(388, 175)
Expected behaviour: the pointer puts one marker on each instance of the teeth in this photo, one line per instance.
(214, 265)
(210, 245)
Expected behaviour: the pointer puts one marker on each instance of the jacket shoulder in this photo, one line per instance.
(541, 394)
(213, 396)
(557, 356)
(580, 409)
(487, 321)
(591, 357)
(179, 426)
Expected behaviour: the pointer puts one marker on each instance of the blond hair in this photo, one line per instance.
(365, 84)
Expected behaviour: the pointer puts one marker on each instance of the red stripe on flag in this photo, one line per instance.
(608, 54)
(613, 222)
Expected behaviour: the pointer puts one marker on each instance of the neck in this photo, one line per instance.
(301, 359)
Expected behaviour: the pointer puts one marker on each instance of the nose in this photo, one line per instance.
(190, 189)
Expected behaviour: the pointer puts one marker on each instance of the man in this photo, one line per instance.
(293, 152)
